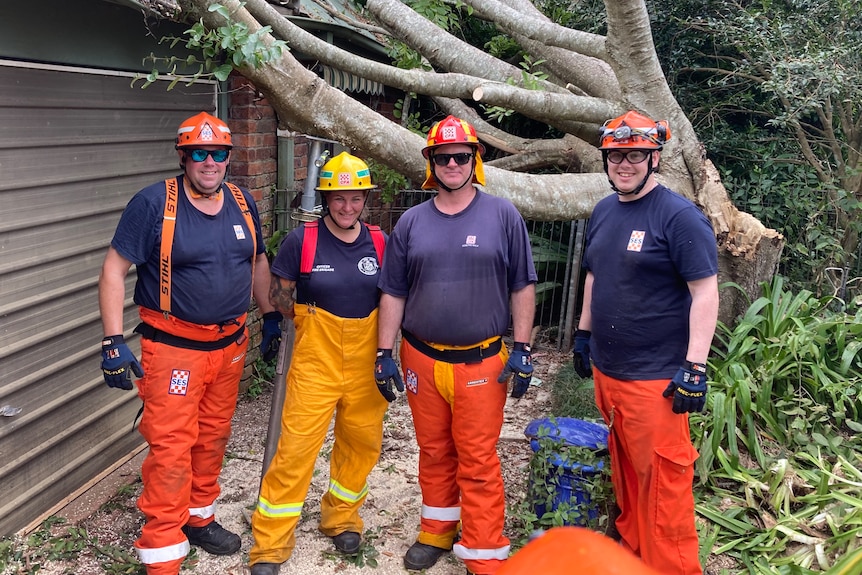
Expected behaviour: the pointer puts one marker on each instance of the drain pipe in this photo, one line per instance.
(308, 208)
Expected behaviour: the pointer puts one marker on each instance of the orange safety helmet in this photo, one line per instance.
(634, 130)
(452, 130)
(565, 550)
(203, 130)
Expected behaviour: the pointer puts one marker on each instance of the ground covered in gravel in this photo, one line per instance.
(391, 512)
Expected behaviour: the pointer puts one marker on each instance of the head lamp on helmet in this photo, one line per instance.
(452, 130)
(203, 130)
(623, 137)
(634, 130)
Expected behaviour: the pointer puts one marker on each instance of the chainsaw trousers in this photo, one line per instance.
(457, 415)
(652, 470)
(332, 372)
(189, 398)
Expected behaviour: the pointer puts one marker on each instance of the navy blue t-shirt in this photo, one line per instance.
(211, 256)
(641, 254)
(343, 277)
(458, 271)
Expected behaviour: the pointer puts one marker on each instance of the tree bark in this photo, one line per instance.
(603, 77)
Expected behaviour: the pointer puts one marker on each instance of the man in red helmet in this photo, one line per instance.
(197, 247)
(456, 269)
(649, 313)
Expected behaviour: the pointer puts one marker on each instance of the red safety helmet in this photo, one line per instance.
(203, 130)
(634, 130)
(452, 130)
(565, 550)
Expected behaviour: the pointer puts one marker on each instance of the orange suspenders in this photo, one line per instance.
(169, 222)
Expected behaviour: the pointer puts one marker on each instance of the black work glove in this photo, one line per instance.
(270, 335)
(521, 364)
(386, 373)
(117, 360)
(581, 353)
(688, 388)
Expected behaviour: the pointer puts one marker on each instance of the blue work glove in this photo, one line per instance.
(521, 364)
(270, 335)
(386, 373)
(117, 360)
(688, 388)
(581, 353)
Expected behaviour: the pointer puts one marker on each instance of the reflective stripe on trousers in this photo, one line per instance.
(323, 380)
(189, 398)
(457, 414)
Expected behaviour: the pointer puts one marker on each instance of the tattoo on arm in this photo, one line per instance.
(281, 295)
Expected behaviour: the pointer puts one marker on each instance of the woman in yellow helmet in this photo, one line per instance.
(333, 266)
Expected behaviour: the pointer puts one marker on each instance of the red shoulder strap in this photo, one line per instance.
(309, 246)
(379, 242)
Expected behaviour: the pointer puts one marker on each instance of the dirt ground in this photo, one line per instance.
(391, 511)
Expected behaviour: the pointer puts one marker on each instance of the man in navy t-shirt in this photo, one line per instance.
(648, 318)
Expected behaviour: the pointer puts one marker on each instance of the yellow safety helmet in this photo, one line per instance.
(345, 172)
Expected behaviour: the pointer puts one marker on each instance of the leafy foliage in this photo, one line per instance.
(779, 453)
(242, 47)
(770, 88)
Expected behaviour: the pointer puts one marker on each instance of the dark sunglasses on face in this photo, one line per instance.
(633, 156)
(201, 155)
(443, 159)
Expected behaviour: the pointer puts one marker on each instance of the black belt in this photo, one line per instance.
(471, 355)
(149, 332)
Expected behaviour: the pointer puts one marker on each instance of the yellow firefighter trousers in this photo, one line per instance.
(332, 371)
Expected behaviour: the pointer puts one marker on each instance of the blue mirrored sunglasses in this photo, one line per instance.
(201, 155)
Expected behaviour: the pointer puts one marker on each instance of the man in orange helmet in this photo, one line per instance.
(196, 243)
(456, 269)
(649, 313)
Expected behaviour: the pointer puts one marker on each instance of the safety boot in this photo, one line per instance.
(421, 556)
(347, 542)
(213, 538)
(265, 568)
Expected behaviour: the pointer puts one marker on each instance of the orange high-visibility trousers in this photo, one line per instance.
(332, 371)
(189, 399)
(652, 470)
(457, 414)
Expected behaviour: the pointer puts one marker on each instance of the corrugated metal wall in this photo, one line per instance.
(75, 145)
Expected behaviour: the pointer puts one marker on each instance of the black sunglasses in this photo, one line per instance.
(443, 159)
(201, 155)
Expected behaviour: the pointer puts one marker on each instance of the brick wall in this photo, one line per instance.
(253, 166)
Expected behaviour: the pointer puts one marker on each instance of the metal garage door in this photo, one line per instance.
(75, 145)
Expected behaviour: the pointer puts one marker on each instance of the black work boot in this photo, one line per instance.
(265, 568)
(213, 538)
(347, 542)
(421, 556)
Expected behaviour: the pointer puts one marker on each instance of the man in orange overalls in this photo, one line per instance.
(649, 314)
(457, 269)
(197, 246)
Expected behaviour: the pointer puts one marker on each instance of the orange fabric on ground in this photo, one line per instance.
(567, 550)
